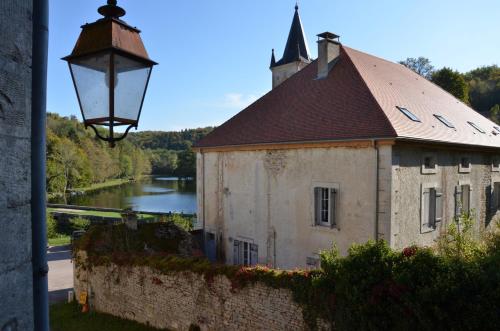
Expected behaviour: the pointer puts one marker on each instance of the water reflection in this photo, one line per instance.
(158, 194)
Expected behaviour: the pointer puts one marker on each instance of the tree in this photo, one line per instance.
(186, 164)
(421, 66)
(484, 87)
(453, 82)
(495, 113)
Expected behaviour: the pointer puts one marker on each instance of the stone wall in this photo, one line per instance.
(16, 307)
(180, 300)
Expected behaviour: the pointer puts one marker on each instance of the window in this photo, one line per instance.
(245, 253)
(496, 128)
(408, 114)
(325, 201)
(429, 164)
(495, 163)
(496, 197)
(444, 121)
(476, 127)
(432, 208)
(464, 165)
(462, 200)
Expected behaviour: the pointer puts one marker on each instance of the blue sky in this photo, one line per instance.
(214, 55)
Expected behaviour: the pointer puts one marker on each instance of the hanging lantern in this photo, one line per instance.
(110, 69)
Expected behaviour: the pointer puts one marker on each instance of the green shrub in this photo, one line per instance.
(182, 221)
(453, 287)
(79, 223)
(51, 227)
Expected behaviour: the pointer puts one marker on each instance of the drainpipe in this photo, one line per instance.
(377, 168)
(38, 120)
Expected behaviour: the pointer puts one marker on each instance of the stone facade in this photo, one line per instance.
(265, 197)
(16, 309)
(180, 300)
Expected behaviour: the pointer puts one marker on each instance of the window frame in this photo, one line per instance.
(239, 257)
(495, 159)
(461, 167)
(332, 210)
(425, 170)
(459, 192)
(444, 121)
(409, 114)
(434, 206)
(475, 126)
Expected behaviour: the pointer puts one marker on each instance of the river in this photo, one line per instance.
(154, 193)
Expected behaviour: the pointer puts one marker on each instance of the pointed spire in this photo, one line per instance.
(296, 46)
(296, 5)
(273, 59)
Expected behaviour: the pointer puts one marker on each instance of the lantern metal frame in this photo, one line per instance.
(92, 43)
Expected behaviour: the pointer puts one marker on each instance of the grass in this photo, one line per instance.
(96, 213)
(68, 317)
(59, 241)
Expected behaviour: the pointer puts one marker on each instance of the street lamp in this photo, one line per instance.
(110, 69)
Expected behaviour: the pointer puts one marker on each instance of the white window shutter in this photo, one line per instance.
(466, 198)
(425, 208)
(317, 205)
(439, 206)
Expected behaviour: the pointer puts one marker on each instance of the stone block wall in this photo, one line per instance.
(180, 300)
(16, 307)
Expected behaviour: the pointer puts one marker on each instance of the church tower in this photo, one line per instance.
(296, 55)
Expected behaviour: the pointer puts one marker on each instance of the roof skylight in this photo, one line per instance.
(408, 114)
(476, 127)
(496, 128)
(444, 121)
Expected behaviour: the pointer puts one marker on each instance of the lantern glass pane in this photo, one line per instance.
(131, 81)
(91, 77)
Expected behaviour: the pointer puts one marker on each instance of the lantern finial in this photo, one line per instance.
(111, 10)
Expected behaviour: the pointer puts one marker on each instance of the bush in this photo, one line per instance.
(51, 227)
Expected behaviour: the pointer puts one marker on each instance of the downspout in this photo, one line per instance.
(377, 168)
(203, 192)
(38, 120)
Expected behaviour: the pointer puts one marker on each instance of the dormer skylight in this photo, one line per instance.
(444, 121)
(476, 127)
(408, 114)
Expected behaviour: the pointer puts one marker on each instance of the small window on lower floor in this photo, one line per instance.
(432, 208)
(325, 205)
(245, 253)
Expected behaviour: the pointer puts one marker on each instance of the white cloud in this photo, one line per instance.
(237, 100)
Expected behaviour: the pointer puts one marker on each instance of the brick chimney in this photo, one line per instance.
(328, 53)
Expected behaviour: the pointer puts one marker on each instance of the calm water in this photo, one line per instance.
(157, 194)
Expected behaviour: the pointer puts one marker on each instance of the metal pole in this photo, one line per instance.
(38, 120)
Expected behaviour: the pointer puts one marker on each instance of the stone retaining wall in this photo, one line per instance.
(182, 300)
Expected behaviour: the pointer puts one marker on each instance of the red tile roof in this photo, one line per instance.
(357, 100)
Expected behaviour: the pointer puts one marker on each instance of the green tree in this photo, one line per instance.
(186, 164)
(484, 87)
(495, 113)
(453, 82)
(421, 66)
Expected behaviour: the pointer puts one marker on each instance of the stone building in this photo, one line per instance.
(347, 148)
(23, 272)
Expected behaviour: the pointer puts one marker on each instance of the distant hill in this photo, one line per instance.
(170, 140)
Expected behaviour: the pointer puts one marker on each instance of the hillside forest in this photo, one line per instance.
(76, 159)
